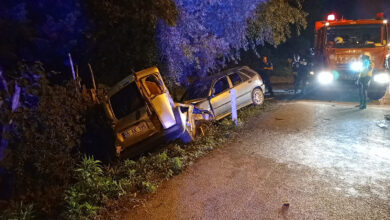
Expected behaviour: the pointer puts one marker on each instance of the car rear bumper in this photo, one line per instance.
(155, 140)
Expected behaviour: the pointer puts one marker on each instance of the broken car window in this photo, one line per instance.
(153, 85)
(221, 85)
(126, 101)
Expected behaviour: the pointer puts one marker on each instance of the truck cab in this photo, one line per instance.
(339, 43)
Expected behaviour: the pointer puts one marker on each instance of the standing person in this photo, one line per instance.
(365, 78)
(266, 69)
(295, 67)
(301, 76)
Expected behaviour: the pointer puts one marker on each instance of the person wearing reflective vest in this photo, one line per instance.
(365, 76)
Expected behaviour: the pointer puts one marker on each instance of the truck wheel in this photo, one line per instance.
(376, 92)
(257, 97)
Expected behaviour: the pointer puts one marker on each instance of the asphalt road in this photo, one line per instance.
(326, 160)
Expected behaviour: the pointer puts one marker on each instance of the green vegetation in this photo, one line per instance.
(124, 33)
(89, 189)
(19, 211)
(275, 19)
(45, 136)
(145, 174)
(47, 125)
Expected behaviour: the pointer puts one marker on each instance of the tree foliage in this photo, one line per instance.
(274, 21)
(208, 34)
(211, 33)
(115, 36)
(44, 30)
(123, 35)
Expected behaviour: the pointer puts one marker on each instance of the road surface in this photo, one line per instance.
(326, 160)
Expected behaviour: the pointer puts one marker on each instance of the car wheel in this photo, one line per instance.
(202, 128)
(257, 97)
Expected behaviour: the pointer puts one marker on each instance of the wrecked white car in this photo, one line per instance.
(213, 93)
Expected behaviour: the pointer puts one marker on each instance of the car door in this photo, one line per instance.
(249, 84)
(220, 97)
(241, 87)
(158, 97)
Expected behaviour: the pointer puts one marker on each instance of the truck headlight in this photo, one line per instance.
(382, 78)
(356, 66)
(325, 77)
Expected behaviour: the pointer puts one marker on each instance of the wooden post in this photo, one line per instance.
(92, 76)
(71, 66)
(93, 91)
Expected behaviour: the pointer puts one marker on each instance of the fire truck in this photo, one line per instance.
(339, 43)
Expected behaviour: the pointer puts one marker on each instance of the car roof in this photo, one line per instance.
(220, 74)
(131, 78)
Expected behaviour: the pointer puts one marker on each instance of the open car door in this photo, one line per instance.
(157, 95)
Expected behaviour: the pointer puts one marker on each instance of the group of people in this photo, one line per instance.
(302, 68)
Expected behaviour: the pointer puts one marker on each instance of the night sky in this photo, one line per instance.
(318, 10)
(349, 9)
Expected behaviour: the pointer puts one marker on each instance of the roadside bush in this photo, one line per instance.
(19, 211)
(148, 187)
(177, 165)
(90, 190)
(42, 127)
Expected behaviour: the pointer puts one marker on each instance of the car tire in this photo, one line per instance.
(202, 128)
(257, 97)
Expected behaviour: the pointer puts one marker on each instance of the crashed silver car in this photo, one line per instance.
(213, 93)
(143, 114)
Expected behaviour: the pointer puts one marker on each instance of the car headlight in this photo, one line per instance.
(382, 78)
(356, 66)
(325, 77)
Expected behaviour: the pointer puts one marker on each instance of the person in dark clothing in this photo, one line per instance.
(266, 69)
(365, 78)
(302, 73)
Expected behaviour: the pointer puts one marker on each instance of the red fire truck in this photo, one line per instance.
(339, 43)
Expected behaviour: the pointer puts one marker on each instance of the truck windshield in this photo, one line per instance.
(355, 36)
(126, 101)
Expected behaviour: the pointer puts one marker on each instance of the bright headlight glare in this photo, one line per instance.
(382, 78)
(312, 73)
(356, 66)
(325, 77)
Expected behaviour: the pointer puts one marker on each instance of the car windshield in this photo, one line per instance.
(197, 91)
(355, 36)
(127, 101)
